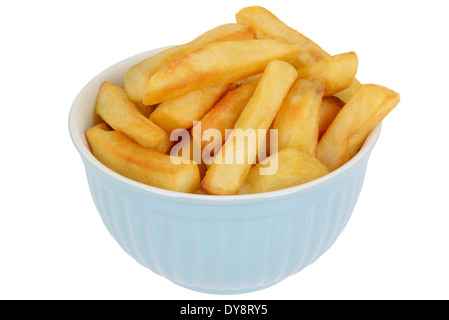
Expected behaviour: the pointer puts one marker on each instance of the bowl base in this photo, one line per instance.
(225, 291)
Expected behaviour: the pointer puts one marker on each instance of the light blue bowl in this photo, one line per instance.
(217, 244)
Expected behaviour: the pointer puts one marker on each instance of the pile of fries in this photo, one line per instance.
(271, 109)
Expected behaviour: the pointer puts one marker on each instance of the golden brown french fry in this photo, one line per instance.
(267, 26)
(357, 140)
(297, 121)
(330, 107)
(122, 155)
(165, 145)
(185, 149)
(181, 112)
(348, 92)
(215, 63)
(366, 108)
(114, 107)
(337, 71)
(227, 110)
(137, 77)
(294, 168)
(183, 146)
(226, 173)
(145, 110)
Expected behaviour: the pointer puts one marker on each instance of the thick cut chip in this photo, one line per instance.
(338, 72)
(226, 111)
(267, 26)
(165, 145)
(227, 172)
(122, 155)
(145, 110)
(293, 168)
(137, 77)
(216, 63)
(114, 107)
(366, 108)
(182, 112)
(347, 93)
(330, 107)
(297, 121)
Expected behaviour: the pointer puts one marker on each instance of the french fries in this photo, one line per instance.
(215, 63)
(181, 112)
(225, 177)
(226, 111)
(165, 145)
(267, 26)
(294, 168)
(114, 107)
(297, 121)
(137, 77)
(348, 92)
(338, 72)
(330, 107)
(247, 107)
(366, 108)
(122, 155)
(145, 110)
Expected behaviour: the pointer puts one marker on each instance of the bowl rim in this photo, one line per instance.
(87, 155)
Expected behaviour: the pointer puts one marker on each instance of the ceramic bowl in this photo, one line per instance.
(217, 244)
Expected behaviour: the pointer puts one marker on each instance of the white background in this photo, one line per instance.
(53, 244)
